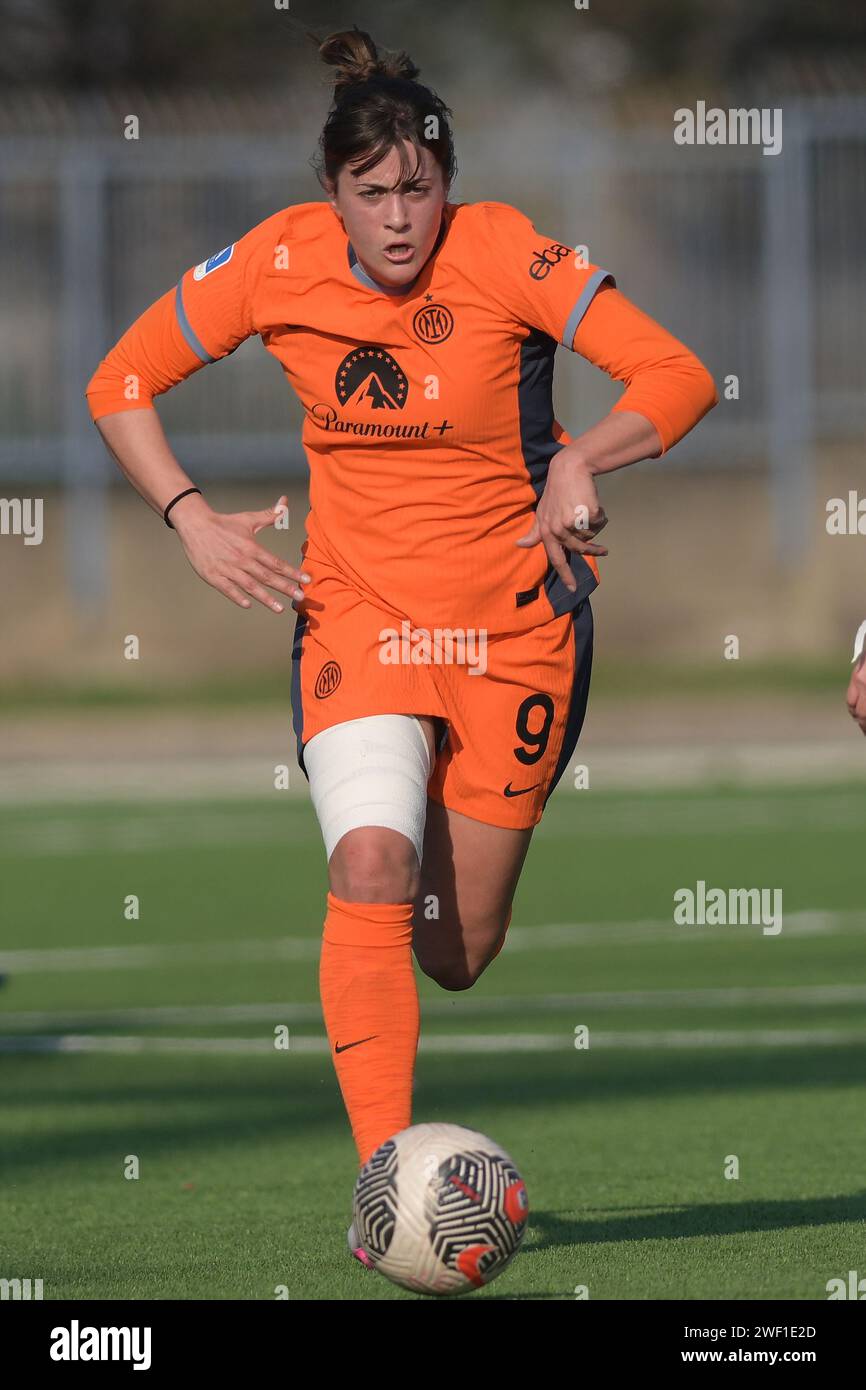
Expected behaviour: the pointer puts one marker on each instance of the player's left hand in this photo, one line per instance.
(567, 517)
(856, 694)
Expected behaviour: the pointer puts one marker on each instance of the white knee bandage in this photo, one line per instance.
(371, 771)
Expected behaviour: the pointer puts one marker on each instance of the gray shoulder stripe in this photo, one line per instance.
(186, 327)
(583, 304)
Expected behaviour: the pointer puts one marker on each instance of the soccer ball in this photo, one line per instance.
(440, 1209)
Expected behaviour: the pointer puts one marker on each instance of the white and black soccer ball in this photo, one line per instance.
(440, 1209)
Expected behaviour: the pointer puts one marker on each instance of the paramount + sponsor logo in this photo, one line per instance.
(370, 380)
(544, 261)
(370, 376)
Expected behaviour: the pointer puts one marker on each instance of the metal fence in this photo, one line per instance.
(757, 262)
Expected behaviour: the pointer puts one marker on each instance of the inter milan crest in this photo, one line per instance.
(433, 323)
(369, 376)
(327, 680)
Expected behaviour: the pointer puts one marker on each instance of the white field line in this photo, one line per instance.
(726, 814)
(560, 935)
(30, 783)
(787, 763)
(197, 1015)
(451, 1043)
(144, 830)
(576, 817)
(152, 957)
(623, 767)
(546, 937)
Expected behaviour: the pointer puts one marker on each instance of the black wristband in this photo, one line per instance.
(177, 499)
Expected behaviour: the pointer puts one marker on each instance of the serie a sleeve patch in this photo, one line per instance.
(213, 262)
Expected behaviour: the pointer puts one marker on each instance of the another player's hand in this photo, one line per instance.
(221, 548)
(856, 694)
(568, 515)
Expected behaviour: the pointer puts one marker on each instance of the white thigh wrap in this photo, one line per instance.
(371, 771)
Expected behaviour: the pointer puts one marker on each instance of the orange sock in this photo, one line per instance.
(370, 1004)
(502, 937)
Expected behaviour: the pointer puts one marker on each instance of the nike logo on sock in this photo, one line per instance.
(338, 1047)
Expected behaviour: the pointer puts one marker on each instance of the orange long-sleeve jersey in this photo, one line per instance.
(429, 423)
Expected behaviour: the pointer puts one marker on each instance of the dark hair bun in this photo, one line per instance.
(355, 56)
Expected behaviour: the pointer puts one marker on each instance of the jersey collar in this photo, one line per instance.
(361, 275)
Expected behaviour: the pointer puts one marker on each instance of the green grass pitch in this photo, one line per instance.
(704, 1042)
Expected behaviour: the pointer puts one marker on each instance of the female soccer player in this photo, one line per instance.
(443, 640)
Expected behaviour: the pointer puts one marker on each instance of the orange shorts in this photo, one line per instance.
(510, 708)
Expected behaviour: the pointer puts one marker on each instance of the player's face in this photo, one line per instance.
(393, 227)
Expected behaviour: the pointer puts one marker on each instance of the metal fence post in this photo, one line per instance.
(83, 328)
(789, 335)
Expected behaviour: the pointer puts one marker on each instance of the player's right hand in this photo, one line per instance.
(222, 549)
(856, 694)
